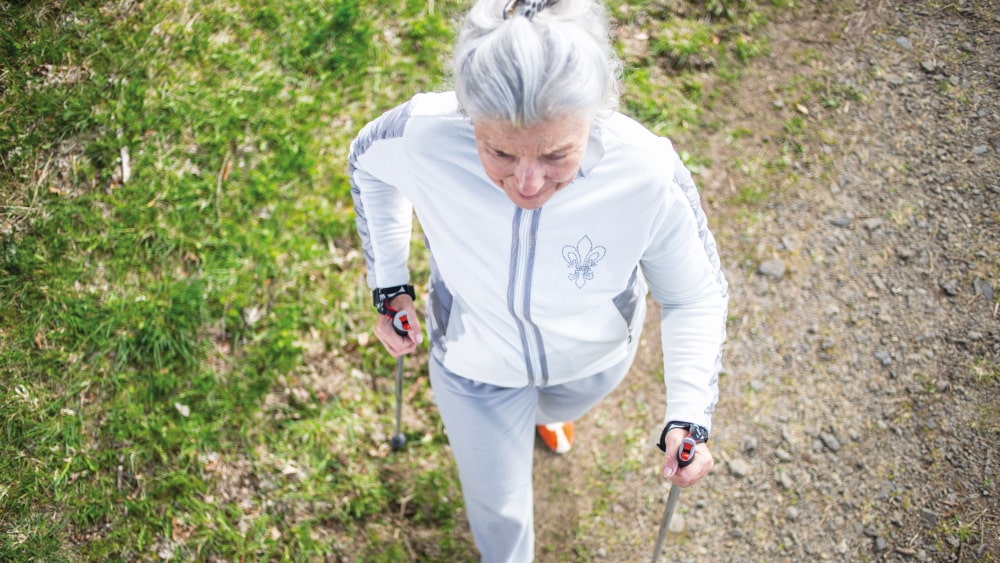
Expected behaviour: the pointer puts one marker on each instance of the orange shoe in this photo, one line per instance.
(558, 436)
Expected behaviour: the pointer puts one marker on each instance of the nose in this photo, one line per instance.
(530, 177)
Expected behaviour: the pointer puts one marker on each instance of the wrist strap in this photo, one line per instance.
(381, 296)
(698, 433)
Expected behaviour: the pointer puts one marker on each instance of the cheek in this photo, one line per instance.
(563, 173)
(497, 171)
(494, 169)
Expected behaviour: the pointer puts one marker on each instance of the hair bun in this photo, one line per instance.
(526, 8)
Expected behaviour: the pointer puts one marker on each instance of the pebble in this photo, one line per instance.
(677, 523)
(874, 224)
(904, 42)
(774, 268)
(785, 481)
(883, 357)
(983, 287)
(950, 287)
(830, 441)
(739, 468)
(980, 149)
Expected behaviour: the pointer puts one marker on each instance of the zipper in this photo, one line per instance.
(524, 233)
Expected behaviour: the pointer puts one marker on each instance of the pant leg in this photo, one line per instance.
(491, 433)
(570, 401)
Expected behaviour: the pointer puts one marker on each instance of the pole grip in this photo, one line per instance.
(685, 454)
(400, 321)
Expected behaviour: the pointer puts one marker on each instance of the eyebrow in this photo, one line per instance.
(561, 149)
(557, 150)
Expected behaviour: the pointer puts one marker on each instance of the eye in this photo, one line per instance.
(555, 157)
(501, 154)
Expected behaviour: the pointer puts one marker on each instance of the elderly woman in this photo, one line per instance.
(548, 216)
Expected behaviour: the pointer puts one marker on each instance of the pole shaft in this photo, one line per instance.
(668, 514)
(399, 393)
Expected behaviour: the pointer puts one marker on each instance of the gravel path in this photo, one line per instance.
(860, 413)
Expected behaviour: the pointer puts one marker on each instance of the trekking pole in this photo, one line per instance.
(401, 324)
(685, 455)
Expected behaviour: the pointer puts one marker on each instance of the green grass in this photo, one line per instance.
(183, 320)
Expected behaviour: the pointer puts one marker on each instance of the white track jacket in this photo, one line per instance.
(541, 297)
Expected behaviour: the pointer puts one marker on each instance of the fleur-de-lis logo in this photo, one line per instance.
(582, 258)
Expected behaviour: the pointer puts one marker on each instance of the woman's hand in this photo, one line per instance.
(685, 476)
(395, 344)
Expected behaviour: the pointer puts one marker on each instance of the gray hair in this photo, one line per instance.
(531, 69)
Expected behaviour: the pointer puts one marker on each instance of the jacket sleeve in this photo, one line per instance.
(383, 216)
(685, 277)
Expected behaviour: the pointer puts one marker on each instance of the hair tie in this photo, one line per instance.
(526, 8)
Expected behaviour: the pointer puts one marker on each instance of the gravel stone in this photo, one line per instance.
(739, 468)
(774, 268)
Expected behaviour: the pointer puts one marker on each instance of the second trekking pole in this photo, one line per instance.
(401, 324)
(685, 455)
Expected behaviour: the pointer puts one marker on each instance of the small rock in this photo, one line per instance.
(873, 224)
(883, 357)
(904, 42)
(782, 455)
(950, 287)
(736, 533)
(894, 79)
(677, 523)
(928, 66)
(841, 222)
(983, 287)
(830, 441)
(785, 481)
(792, 514)
(881, 544)
(980, 149)
(739, 468)
(774, 268)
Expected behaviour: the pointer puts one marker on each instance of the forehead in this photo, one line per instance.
(567, 132)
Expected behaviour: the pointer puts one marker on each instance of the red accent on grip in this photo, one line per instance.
(685, 455)
(401, 323)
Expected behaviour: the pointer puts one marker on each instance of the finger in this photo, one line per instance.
(395, 344)
(672, 442)
(702, 464)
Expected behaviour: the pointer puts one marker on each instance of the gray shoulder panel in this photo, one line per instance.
(390, 125)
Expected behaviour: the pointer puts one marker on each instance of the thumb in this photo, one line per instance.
(669, 465)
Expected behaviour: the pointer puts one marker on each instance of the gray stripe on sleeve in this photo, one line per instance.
(390, 125)
(682, 177)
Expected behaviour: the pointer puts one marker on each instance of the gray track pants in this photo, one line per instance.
(492, 435)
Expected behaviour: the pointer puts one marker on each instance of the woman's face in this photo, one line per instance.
(531, 164)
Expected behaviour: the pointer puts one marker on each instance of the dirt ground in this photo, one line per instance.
(859, 417)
